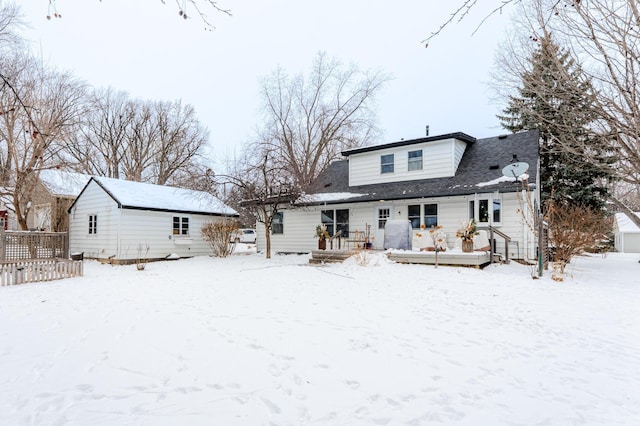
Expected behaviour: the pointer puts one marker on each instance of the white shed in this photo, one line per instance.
(117, 220)
(627, 234)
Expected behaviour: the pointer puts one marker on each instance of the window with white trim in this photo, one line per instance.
(93, 224)
(486, 210)
(430, 215)
(415, 160)
(383, 215)
(413, 213)
(336, 220)
(386, 163)
(277, 223)
(180, 225)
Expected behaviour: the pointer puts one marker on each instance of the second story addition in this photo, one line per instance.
(416, 159)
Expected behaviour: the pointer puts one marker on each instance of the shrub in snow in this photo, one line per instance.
(218, 236)
(574, 230)
(141, 260)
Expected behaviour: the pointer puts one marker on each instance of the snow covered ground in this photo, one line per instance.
(250, 341)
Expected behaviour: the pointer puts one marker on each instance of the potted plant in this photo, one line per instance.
(322, 234)
(466, 234)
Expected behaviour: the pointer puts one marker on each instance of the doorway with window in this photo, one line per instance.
(486, 210)
(383, 214)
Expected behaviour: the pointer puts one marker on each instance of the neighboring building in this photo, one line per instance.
(55, 192)
(627, 234)
(440, 180)
(117, 220)
(7, 211)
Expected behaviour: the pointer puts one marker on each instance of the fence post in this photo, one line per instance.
(65, 243)
(3, 242)
(540, 245)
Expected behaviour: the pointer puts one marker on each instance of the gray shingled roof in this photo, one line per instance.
(482, 162)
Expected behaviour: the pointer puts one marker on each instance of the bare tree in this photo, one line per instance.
(98, 145)
(606, 34)
(181, 139)
(259, 183)
(39, 106)
(150, 141)
(141, 142)
(11, 20)
(602, 36)
(310, 120)
(186, 10)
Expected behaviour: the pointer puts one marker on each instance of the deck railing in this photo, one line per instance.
(507, 240)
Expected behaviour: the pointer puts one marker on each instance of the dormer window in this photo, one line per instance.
(415, 160)
(386, 163)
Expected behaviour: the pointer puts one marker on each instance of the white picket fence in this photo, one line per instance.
(35, 270)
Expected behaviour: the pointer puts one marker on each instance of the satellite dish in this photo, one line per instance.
(515, 169)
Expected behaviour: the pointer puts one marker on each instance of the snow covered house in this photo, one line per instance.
(438, 180)
(54, 193)
(116, 220)
(627, 234)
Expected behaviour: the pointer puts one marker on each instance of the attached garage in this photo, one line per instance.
(627, 234)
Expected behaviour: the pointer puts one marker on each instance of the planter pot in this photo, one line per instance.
(322, 244)
(77, 256)
(467, 246)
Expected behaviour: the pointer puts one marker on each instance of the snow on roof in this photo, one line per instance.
(158, 197)
(63, 183)
(329, 196)
(624, 224)
(501, 179)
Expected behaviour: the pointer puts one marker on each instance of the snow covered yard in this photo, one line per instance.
(247, 341)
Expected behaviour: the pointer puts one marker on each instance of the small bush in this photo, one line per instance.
(141, 260)
(574, 230)
(218, 236)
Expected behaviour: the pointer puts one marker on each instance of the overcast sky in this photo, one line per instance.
(146, 49)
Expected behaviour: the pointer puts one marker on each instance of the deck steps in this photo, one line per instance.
(330, 256)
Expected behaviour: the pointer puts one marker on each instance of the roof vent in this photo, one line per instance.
(494, 167)
(502, 136)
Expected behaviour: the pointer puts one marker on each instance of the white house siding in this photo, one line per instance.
(121, 231)
(627, 234)
(299, 224)
(139, 228)
(439, 159)
(458, 150)
(94, 201)
(627, 243)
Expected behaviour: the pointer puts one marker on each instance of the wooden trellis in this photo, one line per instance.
(20, 245)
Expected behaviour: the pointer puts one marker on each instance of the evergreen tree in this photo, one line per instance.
(558, 100)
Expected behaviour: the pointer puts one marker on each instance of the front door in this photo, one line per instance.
(383, 213)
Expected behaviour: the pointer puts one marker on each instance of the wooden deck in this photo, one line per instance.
(330, 256)
(477, 259)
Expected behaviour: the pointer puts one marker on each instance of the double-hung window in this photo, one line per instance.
(414, 216)
(277, 223)
(386, 163)
(430, 215)
(415, 160)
